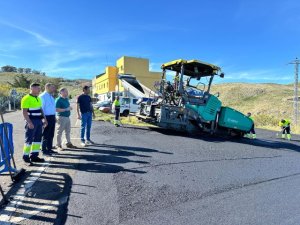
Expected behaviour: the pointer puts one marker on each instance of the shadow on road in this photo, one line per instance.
(101, 158)
(47, 200)
(49, 195)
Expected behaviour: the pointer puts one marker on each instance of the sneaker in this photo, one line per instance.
(89, 142)
(59, 148)
(37, 159)
(83, 144)
(26, 159)
(70, 145)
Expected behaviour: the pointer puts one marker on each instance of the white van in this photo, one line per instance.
(128, 105)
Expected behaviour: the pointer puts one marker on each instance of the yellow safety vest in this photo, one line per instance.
(116, 103)
(33, 104)
(285, 124)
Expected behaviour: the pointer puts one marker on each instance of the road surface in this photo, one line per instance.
(137, 176)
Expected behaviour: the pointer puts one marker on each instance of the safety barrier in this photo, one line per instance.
(6, 143)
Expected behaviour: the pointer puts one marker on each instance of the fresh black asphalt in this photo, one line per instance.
(136, 176)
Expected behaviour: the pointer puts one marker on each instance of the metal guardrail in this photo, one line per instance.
(8, 103)
(4, 103)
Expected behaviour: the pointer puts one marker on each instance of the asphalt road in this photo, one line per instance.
(140, 176)
(137, 176)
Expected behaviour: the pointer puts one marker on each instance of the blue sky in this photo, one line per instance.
(251, 40)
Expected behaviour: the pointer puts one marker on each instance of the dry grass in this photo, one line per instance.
(9, 77)
(74, 86)
(268, 103)
(109, 117)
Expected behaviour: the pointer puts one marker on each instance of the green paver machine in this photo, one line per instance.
(186, 104)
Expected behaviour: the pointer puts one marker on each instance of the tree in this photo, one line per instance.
(20, 70)
(27, 70)
(21, 81)
(36, 72)
(8, 69)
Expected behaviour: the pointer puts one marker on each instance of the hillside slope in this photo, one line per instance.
(74, 86)
(267, 102)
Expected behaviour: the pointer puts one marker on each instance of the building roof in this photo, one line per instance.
(100, 75)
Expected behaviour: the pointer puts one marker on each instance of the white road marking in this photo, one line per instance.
(11, 208)
(9, 215)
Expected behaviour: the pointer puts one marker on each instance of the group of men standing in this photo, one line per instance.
(43, 114)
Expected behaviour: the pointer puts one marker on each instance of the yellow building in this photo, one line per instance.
(105, 84)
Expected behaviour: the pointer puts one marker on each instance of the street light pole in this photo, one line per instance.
(296, 62)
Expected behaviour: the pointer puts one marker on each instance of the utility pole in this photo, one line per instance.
(296, 62)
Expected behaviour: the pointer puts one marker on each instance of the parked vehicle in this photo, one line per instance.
(129, 105)
(104, 106)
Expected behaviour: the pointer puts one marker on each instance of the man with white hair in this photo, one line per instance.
(48, 105)
(63, 112)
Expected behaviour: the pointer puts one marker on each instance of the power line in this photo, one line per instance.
(296, 62)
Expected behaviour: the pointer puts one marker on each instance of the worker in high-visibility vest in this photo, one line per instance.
(286, 129)
(35, 120)
(252, 133)
(116, 107)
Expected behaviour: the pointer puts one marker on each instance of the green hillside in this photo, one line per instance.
(74, 86)
(267, 102)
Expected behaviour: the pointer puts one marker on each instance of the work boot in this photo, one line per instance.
(26, 159)
(70, 145)
(52, 152)
(37, 159)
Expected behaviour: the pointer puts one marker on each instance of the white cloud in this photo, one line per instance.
(70, 63)
(39, 37)
(54, 62)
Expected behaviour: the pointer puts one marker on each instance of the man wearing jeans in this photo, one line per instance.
(63, 112)
(85, 113)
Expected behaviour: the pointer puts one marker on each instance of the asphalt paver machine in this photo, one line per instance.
(186, 103)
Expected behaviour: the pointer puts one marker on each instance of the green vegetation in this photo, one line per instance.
(21, 82)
